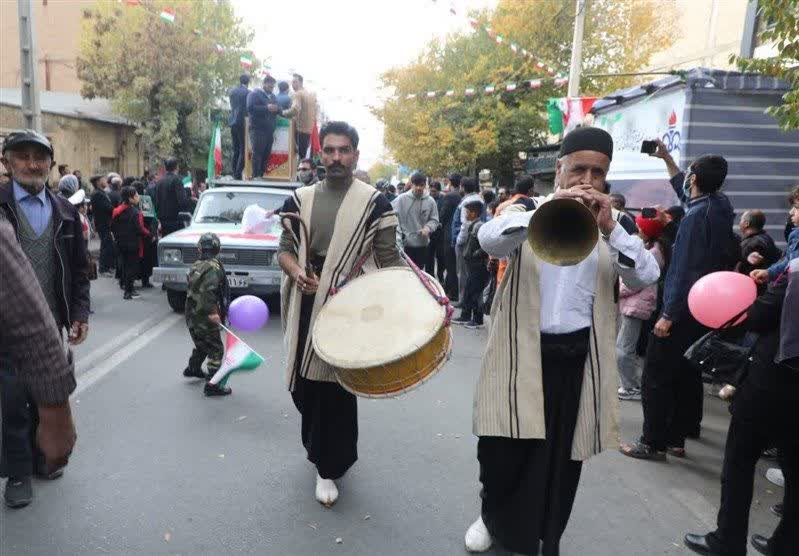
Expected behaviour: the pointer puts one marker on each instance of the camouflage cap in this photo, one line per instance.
(209, 242)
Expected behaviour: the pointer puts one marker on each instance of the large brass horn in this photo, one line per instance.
(562, 232)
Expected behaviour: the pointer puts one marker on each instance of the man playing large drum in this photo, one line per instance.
(340, 220)
(546, 399)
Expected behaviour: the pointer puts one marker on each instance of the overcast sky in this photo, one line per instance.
(341, 47)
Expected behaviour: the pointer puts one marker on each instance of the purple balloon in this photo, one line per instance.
(248, 313)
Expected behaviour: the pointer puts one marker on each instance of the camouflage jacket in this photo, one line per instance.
(207, 290)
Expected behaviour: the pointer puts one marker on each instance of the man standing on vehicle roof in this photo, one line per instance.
(334, 244)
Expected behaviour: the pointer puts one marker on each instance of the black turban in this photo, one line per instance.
(587, 139)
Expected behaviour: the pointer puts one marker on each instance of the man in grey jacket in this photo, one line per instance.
(418, 219)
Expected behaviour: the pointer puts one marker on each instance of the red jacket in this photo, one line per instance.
(141, 230)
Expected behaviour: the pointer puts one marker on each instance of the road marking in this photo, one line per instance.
(93, 357)
(87, 379)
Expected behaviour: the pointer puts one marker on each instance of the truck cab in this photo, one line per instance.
(250, 260)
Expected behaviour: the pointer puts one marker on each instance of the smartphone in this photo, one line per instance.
(649, 147)
(649, 212)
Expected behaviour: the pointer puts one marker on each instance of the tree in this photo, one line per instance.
(165, 77)
(382, 170)
(782, 30)
(487, 131)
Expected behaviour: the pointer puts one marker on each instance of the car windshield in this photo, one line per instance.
(228, 206)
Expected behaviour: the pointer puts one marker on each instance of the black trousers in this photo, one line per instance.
(760, 419)
(329, 414)
(671, 388)
(302, 142)
(417, 255)
(471, 304)
(529, 485)
(237, 160)
(436, 255)
(451, 267)
(130, 269)
(20, 419)
(261, 143)
(170, 226)
(107, 260)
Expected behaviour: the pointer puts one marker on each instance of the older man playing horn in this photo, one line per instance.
(546, 399)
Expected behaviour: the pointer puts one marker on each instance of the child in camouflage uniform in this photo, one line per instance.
(206, 307)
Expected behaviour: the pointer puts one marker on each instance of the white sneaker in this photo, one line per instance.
(326, 491)
(478, 539)
(774, 475)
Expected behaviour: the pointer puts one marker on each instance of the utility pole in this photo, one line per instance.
(577, 49)
(31, 111)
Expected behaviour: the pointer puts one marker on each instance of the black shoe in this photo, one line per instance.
(776, 509)
(700, 544)
(216, 390)
(19, 492)
(760, 543)
(461, 320)
(135, 295)
(193, 373)
(639, 450)
(127, 296)
(473, 325)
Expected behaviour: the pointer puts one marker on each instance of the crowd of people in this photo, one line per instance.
(544, 402)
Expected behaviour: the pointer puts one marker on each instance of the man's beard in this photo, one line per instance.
(32, 187)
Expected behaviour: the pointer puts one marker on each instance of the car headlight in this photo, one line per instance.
(171, 256)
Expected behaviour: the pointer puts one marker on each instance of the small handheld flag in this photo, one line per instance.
(238, 357)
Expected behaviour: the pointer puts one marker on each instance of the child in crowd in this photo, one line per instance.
(127, 225)
(636, 308)
(763, 276)
(207, 300)
(477, 270)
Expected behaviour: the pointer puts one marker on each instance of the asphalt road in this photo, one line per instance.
(159, 469)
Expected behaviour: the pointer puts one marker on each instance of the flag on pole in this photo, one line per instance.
(238, 357)
(246, 61)
(316, 147)
(168, 15)
(567, 113)
(220, 48)
(215, 153)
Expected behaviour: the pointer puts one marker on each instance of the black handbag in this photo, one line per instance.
(723, 355)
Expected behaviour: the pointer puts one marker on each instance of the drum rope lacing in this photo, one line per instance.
(442, 300)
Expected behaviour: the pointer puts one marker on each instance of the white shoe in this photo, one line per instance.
(774, 475)
(478, 539)
(326, 491)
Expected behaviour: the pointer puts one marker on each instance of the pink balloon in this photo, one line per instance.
(248, 313)
(717, 297)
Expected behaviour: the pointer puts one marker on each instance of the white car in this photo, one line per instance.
(250, 259)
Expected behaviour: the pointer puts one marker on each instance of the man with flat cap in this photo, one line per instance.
(546, 399)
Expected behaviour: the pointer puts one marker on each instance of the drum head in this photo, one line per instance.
(378, 318)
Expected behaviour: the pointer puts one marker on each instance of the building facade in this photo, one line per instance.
(86, 134)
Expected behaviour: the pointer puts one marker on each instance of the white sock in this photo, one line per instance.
(326, 491)
(478, 539)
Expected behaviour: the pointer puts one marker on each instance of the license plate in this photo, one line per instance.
(238, 281)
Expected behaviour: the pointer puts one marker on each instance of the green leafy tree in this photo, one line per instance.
(487, 131)
(382, 170)
(781, 18)
(168, 78)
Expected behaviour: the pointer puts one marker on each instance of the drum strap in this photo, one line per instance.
(423, 278)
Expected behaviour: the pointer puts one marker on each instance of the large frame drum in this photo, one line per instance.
(384, 332)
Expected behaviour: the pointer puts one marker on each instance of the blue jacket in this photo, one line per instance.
(703, 245)
(455, 227)
(791, 252)
(260, 116)
(284, 101)
(238, 105)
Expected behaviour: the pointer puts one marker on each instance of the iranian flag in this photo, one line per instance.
(280, 148)
(168, 15)
(246, 61)
(315, 145)
(567, 113)
(238, 357)
(215, 153)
